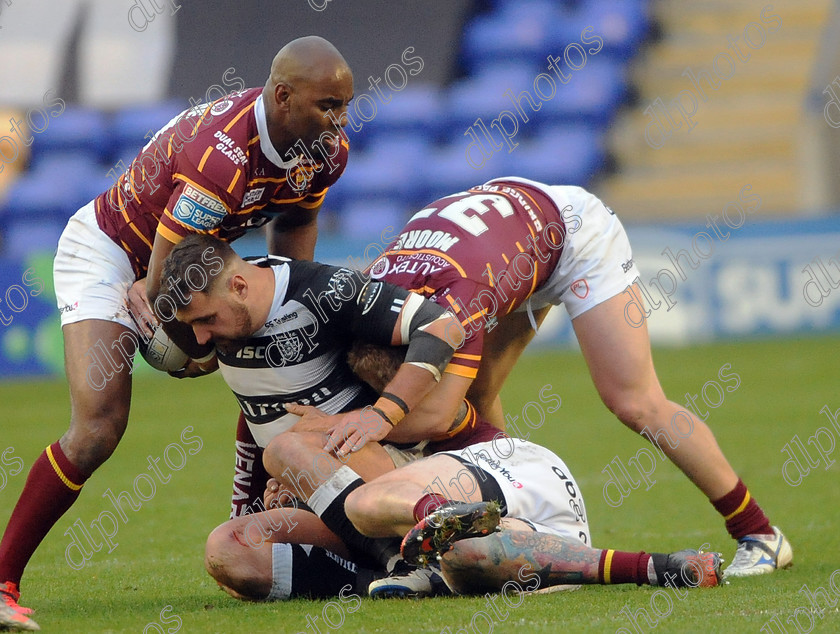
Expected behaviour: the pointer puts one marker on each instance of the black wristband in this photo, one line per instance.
(396, 400)
(383, 415)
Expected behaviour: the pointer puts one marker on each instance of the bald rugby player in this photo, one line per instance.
(257, 156)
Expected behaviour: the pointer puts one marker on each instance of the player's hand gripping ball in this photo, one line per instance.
(161, 352)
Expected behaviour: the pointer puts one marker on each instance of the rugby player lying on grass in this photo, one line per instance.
(344, 541)
(283, 553)
(500, 255)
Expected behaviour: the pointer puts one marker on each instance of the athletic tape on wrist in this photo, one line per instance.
(208, 357)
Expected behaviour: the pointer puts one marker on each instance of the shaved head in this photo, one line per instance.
(307, 59)
(308, 89)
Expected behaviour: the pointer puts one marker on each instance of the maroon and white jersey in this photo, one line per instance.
(480, 253)
(212, 169)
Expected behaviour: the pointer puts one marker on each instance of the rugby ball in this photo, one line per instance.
(161, 353)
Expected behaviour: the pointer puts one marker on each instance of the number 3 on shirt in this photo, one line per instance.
(457, 212)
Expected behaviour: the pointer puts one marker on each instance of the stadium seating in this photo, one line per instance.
(515, 31)
(74, 130)
(415, 149)
(385, 169)
(129, 127)
(417, 109)
(365, 219)
(621, 24)
(561, 155)
(57, 186)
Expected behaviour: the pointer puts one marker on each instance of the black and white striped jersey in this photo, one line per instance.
(300, 354)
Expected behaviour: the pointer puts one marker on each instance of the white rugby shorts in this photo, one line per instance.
(597, 261)
(538, 487)
(92, 274)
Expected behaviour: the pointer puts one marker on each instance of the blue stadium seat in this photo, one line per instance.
(593, 94)
(515, 32)
(21, 238)
(386, 169)
(130, 125)
(559, 155)
(55, 189)
(75, 130)
(483, 95)
(415, 109)
(621, 24)
(366, 219)
(446, 171)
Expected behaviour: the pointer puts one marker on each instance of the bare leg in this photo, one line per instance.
(100, 393)
(502, 348)
(298, 461)
(385, 506)
(98, 417)
(621, 366)
(531, 560)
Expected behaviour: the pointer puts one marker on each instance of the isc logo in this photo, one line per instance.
(251, 352)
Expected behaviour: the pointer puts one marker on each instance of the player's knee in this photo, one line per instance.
(633, 411)
(362, 508)
(282, 453)
(90, 443)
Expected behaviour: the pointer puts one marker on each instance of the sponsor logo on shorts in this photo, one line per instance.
(68, 308)
(495, 465)
(198, 210)
(379, 268)
(252, 196)
(580, 288)
(627, 265)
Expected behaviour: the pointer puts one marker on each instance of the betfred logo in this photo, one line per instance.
(198, 210)
(580, 288)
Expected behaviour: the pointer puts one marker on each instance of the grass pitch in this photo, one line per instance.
(154, 572)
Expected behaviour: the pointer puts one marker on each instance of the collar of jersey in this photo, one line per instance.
(281, 285)
(265, 141)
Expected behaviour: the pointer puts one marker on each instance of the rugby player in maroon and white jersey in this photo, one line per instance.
(499, 255)
(257, 156)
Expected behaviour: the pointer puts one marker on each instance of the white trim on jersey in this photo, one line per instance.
(265, 141)
(412, 304)
(300, 376)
